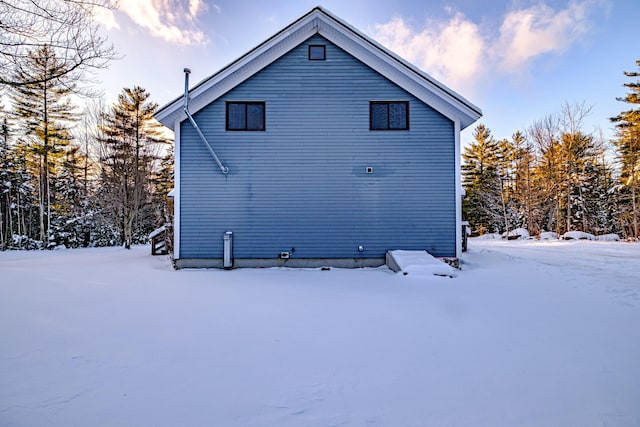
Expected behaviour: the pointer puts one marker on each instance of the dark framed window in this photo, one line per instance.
(389, 115)
(245, 116)
(317, 52)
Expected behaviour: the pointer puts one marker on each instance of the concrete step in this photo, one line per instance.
(418, 263)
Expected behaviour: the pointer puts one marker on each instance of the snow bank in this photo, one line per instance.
(578, 235)
(421, 263)
(548, 235)
(489, 236)
(608, 237)
(518, 233)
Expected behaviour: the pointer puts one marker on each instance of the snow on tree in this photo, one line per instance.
(129, 152)
(46, 114)
(628, 149)
(483, 203)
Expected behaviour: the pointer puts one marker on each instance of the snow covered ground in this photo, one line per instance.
(528, 334)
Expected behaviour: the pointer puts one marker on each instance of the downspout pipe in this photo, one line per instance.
(185, 108)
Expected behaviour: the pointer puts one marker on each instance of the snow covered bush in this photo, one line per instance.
(140, 236)
(105, 234)
(548, 235)
(24, 242)
(612, 237)
(518, 233)
(578, 235)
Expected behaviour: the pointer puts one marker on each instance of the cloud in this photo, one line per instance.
(194, 6)
(450, 51)
(462, 54)
(174, 21)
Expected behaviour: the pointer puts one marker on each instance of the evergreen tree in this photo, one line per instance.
(576, 149)
(577, 153)
(46, 113)
(129, 154)
(72, 223)
(163, 204)
(598, 197)
(546, 177)
(163, 184)
(20, 208)
(5, 185)
(483, 204)
(523, 194)
(628, 149)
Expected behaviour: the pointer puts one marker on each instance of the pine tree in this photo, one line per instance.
(163, 184)
(483, 204)
(577, 153)
(129, 153)
(576, 148)
(628, 147)
(20, 212)
(163, 204)
(524, 158)
(546, 177)
(5, 185)
(598, 197)
(71, 226)
(46, 113)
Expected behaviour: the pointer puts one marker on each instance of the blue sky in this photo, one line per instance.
(517, 60)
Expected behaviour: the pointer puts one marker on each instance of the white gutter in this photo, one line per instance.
(185, 108)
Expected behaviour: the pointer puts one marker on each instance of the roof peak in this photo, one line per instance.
(321, 21)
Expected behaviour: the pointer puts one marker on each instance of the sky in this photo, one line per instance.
(518, 60)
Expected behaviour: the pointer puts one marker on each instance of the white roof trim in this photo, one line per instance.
(320, 21)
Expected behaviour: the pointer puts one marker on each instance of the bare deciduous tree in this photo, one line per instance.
(65, 26)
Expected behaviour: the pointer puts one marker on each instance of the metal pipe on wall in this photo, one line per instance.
(185, 108)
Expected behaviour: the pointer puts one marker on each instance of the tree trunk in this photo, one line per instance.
(41, 200)
(48, 205)
(633, 203)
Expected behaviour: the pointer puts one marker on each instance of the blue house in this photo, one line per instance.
(318, 147)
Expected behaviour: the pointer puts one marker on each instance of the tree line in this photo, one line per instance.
(555, 176)
(100, 175)
(73, 177)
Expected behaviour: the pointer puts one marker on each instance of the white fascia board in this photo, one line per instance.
(176, 191)
(458, 190)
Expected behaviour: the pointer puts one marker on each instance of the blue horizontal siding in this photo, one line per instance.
(302, 183)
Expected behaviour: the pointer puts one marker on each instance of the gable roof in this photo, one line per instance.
(320, 21)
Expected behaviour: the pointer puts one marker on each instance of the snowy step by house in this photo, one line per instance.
(158, 241)
(418, 263)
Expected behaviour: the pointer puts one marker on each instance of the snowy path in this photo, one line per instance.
(526, 335)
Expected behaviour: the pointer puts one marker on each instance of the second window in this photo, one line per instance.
(389, 115)
(245, 116)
